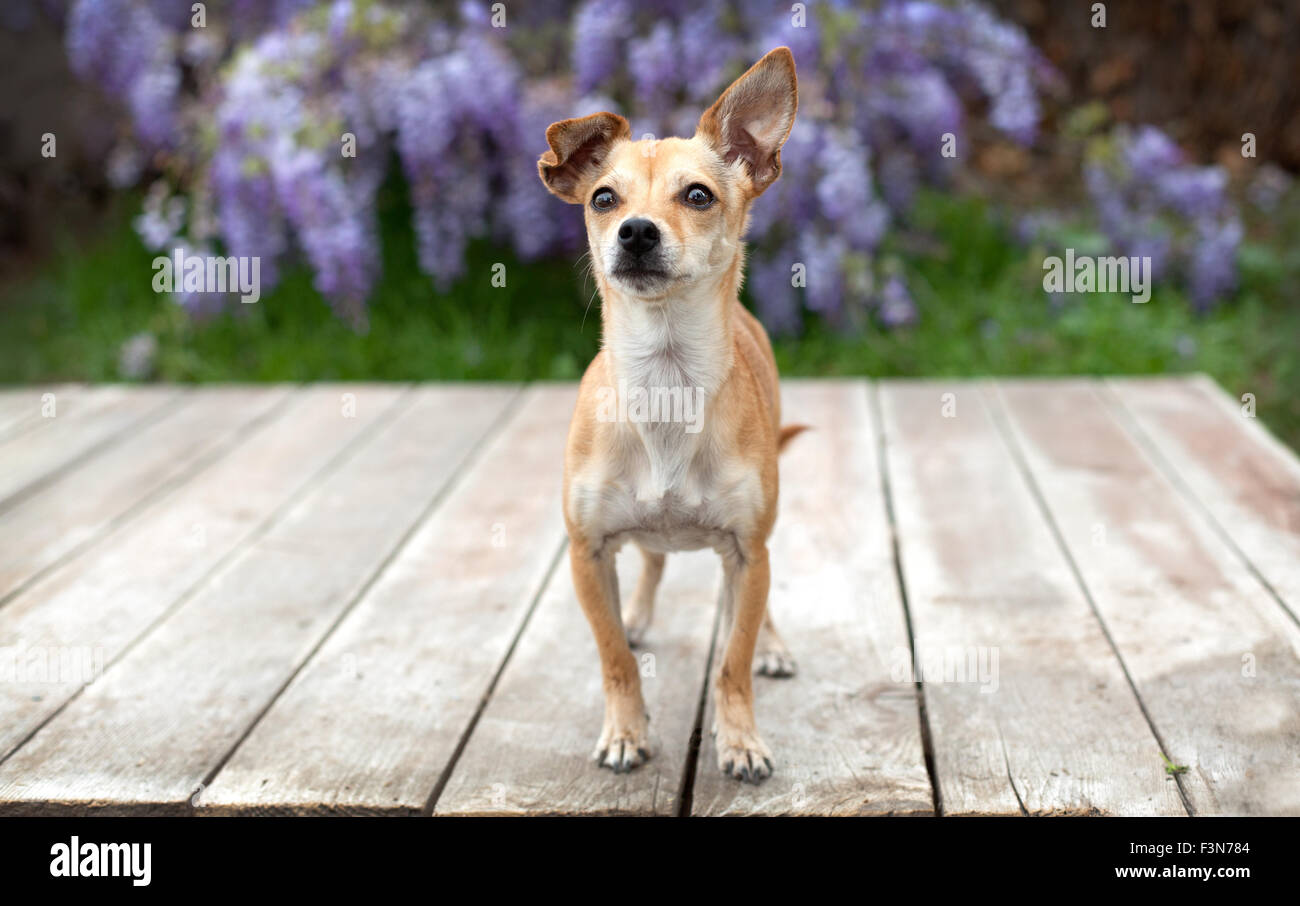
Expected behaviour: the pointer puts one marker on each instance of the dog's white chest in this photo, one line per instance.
(664, 482)
(682, 501)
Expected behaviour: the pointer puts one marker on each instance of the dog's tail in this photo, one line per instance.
(788, 433)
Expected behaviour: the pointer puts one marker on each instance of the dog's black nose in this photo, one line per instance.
(638, 235)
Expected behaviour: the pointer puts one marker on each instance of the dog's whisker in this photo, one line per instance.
(583, 325)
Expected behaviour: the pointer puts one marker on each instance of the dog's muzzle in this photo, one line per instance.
(638, 237)
(640, 260)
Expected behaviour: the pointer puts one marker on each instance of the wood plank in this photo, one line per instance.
(373, 719)
(1246, 480)
(76, 509)
(82, 423)
(20, 406)
(1050, 724)
(845, 734)
(148, 735)
(102, 601)
(532, 749)
(1215, 660)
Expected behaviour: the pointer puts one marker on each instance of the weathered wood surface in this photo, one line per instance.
(66, 515)
(21, 407)
(532, 749)
(151, 732)
(1028, 707)
(371, 724)
(1215, 659)
(1245, 479)
(75, 424)
(845, 730)
(356, 599)
(111, 596)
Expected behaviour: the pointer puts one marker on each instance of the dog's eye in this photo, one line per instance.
(697, 196)
(604, 199)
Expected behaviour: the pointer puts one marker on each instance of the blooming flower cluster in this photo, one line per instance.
(251, 116)
(883, 89)
(126, 49)
(1151, 202)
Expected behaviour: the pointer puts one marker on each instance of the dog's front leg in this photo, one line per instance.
(624, 741)
(741, 752)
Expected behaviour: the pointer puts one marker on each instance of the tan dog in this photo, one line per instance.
(675, 437)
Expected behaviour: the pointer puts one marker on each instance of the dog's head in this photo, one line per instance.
(664, 215)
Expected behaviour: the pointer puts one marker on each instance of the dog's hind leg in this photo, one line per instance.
(771, 656)
(641, 609)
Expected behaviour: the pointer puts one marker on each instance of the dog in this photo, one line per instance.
(665, 220)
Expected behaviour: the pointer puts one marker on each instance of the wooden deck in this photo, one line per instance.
(353, 599)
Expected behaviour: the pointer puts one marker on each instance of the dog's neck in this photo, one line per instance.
(681, 344)
(683, 340)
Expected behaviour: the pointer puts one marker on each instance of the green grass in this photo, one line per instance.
(982, 312)
(1173, 770)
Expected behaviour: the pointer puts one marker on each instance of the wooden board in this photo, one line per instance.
(316, 604)
(1246, 480)
(372, 721)
(104, 600)
(147, 736)
(1214, 658)
(21, 406)
(81, 506)
(532, 749)
(1051, 727)
(82, 422)
(846, 737)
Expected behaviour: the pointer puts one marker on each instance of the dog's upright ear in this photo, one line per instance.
(578, 147)
(753, 118)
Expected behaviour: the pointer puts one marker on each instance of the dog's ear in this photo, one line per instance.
(578, 147)
(753, 118)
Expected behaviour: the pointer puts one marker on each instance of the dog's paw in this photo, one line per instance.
(745, 757)
(636, 621)
(775, 661)
(622, 748)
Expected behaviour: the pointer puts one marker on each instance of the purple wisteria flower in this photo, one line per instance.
(1269, 187)
(896, 305)
(1151, 202)
(252, 112)
(131, 53)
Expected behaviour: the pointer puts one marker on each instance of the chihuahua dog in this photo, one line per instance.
(664, 221)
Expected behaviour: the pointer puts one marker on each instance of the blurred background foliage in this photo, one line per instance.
(225, 140)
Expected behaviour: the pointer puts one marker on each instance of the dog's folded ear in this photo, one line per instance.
(753, 118)
(578, 147)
